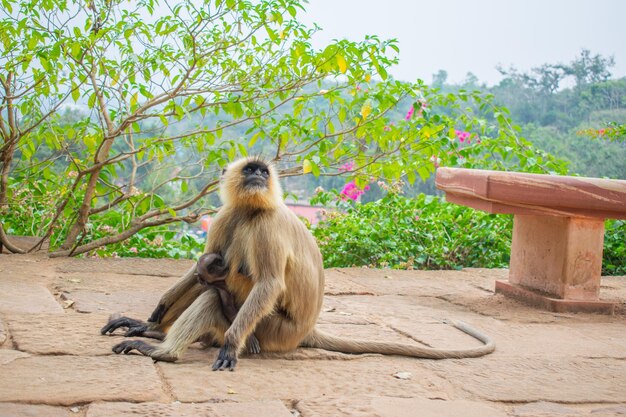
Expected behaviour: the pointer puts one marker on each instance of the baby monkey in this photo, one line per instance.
(211, 271)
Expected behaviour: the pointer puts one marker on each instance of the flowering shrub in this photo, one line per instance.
(425, 232)
(422, 232)
(614, 132)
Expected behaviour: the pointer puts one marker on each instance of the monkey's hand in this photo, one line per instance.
(158, 314)
(226, 358)
(135, 327)
(253, 344)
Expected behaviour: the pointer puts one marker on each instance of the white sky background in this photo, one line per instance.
(460, 36)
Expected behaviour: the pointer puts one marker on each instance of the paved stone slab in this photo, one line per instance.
(136, 304)
(61, 334)
(550, 409)
(9, 355)
(507, 309)
(402, 319)
(108, 282)
(522, 339)
(193, 381)
(610, 410)
(18, 297)
(572, 362)
(31, 410)
(424, 283)
(520, 379)
(544, 408)
(502, 308)
(365, 332)
(246, 409)
(66, 380)
(3, 332)
(333, 311)
(589, 340)
(424, 322)
(395, 407)
(392, 308)
(339, 283)
(613, 288)
(128, 266)
(20, 268)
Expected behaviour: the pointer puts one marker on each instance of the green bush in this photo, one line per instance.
(614, 259)
(422, 232)
(159, 242)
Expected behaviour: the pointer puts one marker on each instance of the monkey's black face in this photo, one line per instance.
(256, 175)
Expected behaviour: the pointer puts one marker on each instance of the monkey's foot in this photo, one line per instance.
(226, 358)
(253, 345)
(144, 348)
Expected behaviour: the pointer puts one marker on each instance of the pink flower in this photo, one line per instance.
(133, 250)
(386, 128)
(601, 132)
(348, 166)
(417, 217)
(463, 136)
(351, 191)
(409, 114)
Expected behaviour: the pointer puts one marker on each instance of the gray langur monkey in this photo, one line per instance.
(276, 277)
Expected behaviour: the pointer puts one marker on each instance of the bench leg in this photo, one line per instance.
(556, 262)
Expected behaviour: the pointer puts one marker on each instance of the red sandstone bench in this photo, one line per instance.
(558, 231)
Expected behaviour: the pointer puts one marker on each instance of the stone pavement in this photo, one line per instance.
(54, 362)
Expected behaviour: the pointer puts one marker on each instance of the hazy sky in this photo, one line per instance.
(476, 35)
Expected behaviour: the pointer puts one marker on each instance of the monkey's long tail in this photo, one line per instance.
(321, 340)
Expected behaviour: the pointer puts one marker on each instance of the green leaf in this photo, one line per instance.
(343, 65)
(75, 50)
(32, 42)
(92, 100)
(254, 138)
(75, 92)
(242, 150)
(133, 101)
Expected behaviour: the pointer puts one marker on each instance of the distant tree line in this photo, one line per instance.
(560, 106)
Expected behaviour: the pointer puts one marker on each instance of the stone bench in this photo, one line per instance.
(558, 231)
